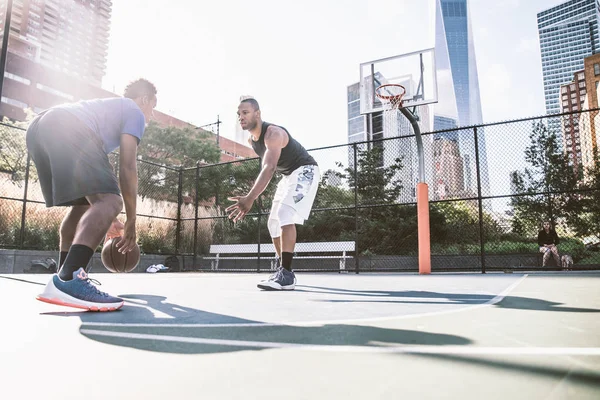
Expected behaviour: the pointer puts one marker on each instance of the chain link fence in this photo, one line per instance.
(490, 188)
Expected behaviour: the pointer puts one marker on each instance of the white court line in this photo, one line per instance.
(490, 302)
(452, 350)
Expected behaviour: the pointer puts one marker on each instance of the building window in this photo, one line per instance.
(17, 78)
(54, 91)
(596, 69)
(13, 102)
(581, 76)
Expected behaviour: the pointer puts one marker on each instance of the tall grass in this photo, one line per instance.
(156, 231)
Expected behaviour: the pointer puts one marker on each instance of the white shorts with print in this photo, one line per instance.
(298, 191)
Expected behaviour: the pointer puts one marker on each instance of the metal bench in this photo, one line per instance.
(225, 252)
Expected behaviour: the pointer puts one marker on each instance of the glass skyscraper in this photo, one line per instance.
(568, 33)
(459, 103)
(459, 41)
(454, 40)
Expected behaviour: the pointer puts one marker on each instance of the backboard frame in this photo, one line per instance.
(422, 61)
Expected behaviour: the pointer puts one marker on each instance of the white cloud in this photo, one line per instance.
(527, 45)
(496, 89)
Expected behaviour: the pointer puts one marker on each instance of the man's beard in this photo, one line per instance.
(251, 125)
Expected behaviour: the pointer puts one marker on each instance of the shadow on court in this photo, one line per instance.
(10, 278)
(186, 330)
(384, 296)
(585, 377)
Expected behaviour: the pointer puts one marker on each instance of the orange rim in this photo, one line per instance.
(394, 98)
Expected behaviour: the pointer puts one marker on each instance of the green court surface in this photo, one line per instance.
(367, 336)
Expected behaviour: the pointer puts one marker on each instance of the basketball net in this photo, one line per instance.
(391, 96)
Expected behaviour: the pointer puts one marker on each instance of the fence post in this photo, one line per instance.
(356, 247)
(197, 188)
(24, 209)
(179, 203)
(479, 201)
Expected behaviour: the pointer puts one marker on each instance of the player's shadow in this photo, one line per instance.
(510, 365)
(427, 297)
(148, 322)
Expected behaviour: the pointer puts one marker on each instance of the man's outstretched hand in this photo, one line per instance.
(242, 206)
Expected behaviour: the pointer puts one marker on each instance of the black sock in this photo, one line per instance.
(79, 256)
(62, 258)
(286, 260)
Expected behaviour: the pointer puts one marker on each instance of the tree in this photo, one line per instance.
(585, 218)
(383, 225)
(13, 149)
(547, 184)
(172, 148)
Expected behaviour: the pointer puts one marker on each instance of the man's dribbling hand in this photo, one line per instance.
(116, 230)
(242, 206)
(129, 238)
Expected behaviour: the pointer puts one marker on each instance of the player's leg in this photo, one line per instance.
(79, 174)
(283, 278)
(91, 228)
(275, 231)
(296, 200)
(67, 231)
(288, 239)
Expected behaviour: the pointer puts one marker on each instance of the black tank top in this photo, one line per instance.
(293, 156)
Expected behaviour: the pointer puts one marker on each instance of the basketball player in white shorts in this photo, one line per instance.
(295, 193)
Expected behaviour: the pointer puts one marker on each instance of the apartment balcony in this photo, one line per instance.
(105, 5)
(49, 17)
(104, 13)
(50, 27)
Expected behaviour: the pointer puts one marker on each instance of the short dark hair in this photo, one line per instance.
(252, 102)
(140, 87)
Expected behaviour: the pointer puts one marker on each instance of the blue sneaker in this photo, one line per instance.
(273, 275)
(280, 280)
(79, 293)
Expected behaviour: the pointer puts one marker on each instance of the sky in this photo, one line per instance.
(298, 58)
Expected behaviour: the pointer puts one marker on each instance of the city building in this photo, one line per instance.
(455, 50)
(579, 127)
(458, 105)
(67, 35)
(57, 53)
(458, 34)
(568, 33)
(572, 99)
(449, 170)
(589, 122)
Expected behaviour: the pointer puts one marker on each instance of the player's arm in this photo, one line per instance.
(128, 181)
(275, 139)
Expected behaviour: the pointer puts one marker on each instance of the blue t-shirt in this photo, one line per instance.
(109, 119)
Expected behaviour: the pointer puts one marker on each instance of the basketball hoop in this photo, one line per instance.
(390, 95)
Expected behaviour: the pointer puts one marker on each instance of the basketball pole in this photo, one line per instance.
(422, 200)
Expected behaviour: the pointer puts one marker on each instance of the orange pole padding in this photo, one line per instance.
(423, 228)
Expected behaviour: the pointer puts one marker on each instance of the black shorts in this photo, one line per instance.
(69, 158)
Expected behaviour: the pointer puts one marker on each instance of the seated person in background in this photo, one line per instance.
(548, 240)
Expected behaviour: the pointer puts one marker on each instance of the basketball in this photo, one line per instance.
(114, 261)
